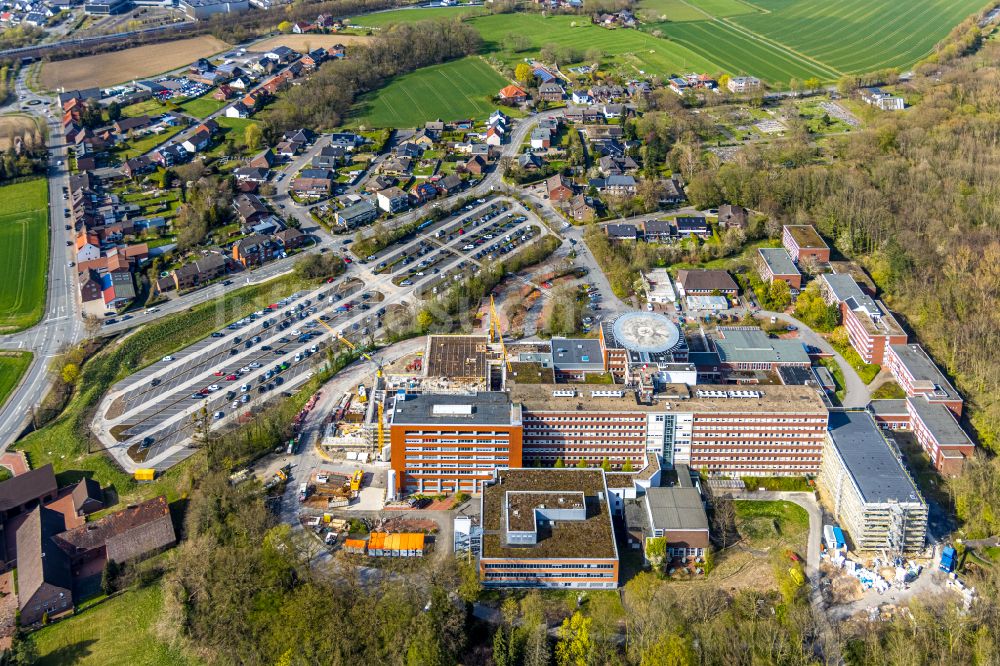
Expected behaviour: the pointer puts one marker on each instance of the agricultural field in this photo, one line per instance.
(690, 10)
(12, 367)
(450, 91)
(16, 125)
(739, 52)
(853, 36)
(24, 253)
(108, 69)
(303, 43)
(382, 19)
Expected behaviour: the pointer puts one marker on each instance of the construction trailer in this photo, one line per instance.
(873, 495)
(403, 544)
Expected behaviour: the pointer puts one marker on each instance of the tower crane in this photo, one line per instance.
(495, 329)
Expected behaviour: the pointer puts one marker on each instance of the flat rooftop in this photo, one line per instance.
(940, 421)
(456, 356)
(927, 376)
(592, 538)
(878, 475)
(739, 346)
(778, 260)
(806, 236)
(577, 354)
(888, 407)
(676, 397)
(474, 409)
(676, 508)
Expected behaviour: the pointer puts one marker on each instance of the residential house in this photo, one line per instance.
(393, 200)
(238, 110)
(425, 191)
(581, 97)
(559, 189)
(356, 215)
(290, 239)
(263, 160)
(475, 166)
(541, 139)
(551, 91)
(281, 54)
(733, 216)
(23, 492)
(253, 250)
(882, 100)
(774, 263)
(692, 224)
(512, 95)
(803, 242)
(250, 209)
(705, 283)
(581, 209)
(612, 165)
(423, 139)
(252, 174)
(329, 157)
(44, 577)
(396, 166)
(313, 182)
(450, 184)
(743, 84)
(596, 132)
(137, 166)
(198, 272)
(117, 287)
(528, 161)
(346, 140)
(88, 246)
(90, 285)
(673, 192)
(198, 141)
(615, 185)
(621, 232)
(494, 136)
(123, 126)
(658, 230)
(168, 156)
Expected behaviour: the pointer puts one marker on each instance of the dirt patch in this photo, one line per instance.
(110, 68)
(116, 408)
(303, 43)
(12, 127)
(8, 610)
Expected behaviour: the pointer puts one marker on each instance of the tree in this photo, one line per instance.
(656, 551)
(516, 42)
(628, 467)
(606, 465)
(524, 73)
(114, 111)
(723, 519)
(812, 84)
(70, 373)
(424, 319)
(109, 577)
(573, 646)
(559, 464)
(780, 294)
(252, 137)
(285, 27)
(670, 650)
(582, 464)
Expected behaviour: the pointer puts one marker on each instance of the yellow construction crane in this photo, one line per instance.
(381, 428)
(495, 326)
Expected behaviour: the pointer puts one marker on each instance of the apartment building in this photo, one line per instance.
(871, 328)
(548, 528)
(872, 494)
(452, 442)
(774, 263)
(939, 434)
(917, 374)
(803, 242)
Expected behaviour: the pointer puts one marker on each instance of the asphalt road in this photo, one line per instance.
(61, 326)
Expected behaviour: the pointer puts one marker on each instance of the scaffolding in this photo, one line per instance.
(495, 330)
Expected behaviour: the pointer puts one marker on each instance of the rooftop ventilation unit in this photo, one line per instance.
(564, 393)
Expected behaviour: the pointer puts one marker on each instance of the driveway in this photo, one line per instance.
(858, 394)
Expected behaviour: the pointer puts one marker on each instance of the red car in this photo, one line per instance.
(347, 260)
(219, 373)
(231, 378)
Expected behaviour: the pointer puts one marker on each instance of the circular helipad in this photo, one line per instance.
(646, 332)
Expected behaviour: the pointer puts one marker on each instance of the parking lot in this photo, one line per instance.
(227, 375)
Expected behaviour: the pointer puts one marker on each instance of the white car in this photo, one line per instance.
(219, 414)
(168, 359)
(255, 365)
(245, 388)
(296, 331)
(213, 388)
(236, 404)
(246, 368)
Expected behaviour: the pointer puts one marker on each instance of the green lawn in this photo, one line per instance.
(382, 19)
(231, 128)
(12, 367)
(24, 253)
(631, 49)
(147, 142)
(450, 91)
(773, 522)
(117, 632)
(202, 107)
(150, 107)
